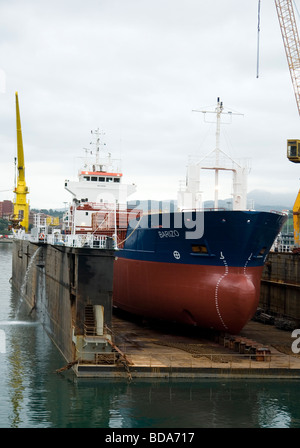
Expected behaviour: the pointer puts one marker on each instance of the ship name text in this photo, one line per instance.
(168, 233)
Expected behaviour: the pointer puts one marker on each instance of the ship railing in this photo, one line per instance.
(277, 212)
(70, 240)
(203, 209)
(102, 206)
(20, 234)
(78, 240)
(83, 240)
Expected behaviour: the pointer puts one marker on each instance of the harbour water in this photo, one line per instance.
(33, 395)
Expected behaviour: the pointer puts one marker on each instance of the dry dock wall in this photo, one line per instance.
(280, 285)
(58, 283)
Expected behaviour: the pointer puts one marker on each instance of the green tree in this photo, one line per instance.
(4, 226)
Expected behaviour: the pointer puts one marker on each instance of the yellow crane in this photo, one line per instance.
(21, 205)
(291, 42)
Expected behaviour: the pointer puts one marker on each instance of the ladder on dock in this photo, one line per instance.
(89, 321)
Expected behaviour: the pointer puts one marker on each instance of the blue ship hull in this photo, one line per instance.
(199, 268)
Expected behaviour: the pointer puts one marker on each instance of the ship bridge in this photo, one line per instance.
(100, 177)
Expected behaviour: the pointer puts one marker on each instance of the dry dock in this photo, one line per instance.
(61, 285)
(157, 350)
(280, 286)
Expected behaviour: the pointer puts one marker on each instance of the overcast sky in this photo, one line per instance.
(136, 69)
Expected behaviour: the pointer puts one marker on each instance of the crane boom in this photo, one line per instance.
(291, 42)
(21, 165)
(289, 31)
(21, 205)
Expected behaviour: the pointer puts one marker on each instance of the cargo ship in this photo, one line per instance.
(192, 266)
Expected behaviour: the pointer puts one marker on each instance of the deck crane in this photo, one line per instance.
(289, 31)
(20, 217)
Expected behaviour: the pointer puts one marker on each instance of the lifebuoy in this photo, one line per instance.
(41, 236)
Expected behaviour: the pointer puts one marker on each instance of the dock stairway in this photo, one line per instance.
(89, 321)
(90, 332)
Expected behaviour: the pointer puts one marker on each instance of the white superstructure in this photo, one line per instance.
(98, 191)
(100, 178)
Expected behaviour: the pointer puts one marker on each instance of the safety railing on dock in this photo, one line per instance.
(191, 362)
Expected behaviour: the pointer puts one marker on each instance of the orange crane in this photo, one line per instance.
(291, 42)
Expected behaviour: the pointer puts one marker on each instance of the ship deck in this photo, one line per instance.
(158, 350)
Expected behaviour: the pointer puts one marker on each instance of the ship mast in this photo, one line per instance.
(97, 143)
(219, 110)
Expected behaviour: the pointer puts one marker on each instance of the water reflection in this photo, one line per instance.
(198, 404)
(15, 381)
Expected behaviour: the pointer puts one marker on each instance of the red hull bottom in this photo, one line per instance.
(220, 298)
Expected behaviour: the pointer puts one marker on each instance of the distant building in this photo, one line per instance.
(6, 209)
(284, 242)
(49, 220)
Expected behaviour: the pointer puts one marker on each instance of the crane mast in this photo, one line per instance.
(289, 31)
(291, 42)
(21, 205)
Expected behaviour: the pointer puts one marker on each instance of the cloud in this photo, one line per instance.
(137, 69)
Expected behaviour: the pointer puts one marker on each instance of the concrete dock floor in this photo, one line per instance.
(157, 349)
